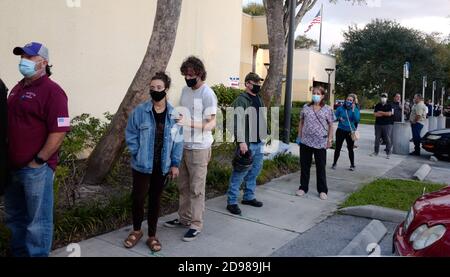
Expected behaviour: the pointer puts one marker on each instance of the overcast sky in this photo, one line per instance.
(428, 16)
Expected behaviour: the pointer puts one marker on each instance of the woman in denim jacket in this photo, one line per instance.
(155, 142)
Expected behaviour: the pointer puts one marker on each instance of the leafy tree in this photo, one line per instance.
(304, 42)
(277, 17)
(157, 57)
(254, 9)
(370, 60)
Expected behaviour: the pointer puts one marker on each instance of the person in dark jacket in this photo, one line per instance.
(397, 107)
(3, 136)
(249, 130)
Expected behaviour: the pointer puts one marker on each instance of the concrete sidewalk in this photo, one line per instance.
(260, 231)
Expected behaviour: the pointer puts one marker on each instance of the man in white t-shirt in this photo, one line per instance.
(199, 119)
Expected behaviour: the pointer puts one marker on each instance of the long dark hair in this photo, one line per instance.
(48, 70)
(322, 92)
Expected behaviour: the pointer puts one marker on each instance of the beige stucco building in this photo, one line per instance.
(97, 46)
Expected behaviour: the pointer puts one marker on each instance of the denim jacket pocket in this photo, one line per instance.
(142, 156)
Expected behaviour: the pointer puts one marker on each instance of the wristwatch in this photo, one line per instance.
(39, 160)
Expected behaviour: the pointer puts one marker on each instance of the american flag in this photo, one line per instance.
(63, 122)
(317, 20)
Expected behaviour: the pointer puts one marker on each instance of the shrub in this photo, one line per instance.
(4, 238)
(254, 9)
(299, 104)
(295, 121)
(86, 132)
(225, 95)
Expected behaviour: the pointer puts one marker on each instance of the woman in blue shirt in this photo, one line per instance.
(348, 116)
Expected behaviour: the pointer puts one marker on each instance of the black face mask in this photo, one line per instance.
(157, 96)
(191, 82)
(256, 89)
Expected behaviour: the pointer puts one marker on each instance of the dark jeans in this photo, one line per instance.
(416, 130)
(29, 211)
(153, 185)
(342, 135)
(383, 132)
(320, 157)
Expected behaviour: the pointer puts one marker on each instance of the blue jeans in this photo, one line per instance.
(416, 130)
(249, 176)
(29, 211)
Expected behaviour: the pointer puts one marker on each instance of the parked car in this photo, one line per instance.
(438, 143)
(338, 103)
(426, 229)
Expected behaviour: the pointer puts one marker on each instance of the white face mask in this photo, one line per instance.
(383, 100)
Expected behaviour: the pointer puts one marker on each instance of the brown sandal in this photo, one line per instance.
(132, 239)
(154, 244)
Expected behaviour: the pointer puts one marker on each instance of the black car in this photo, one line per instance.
(438, 143)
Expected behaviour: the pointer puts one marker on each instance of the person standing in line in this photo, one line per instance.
(348, 116)
(3, 136)
(155, 142)
(201, 102)
(315, 136)
(417, 119)
(249, 103)
(38, 120)
(398, 108)
(383, 125)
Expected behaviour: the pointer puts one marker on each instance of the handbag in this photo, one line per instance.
(354, 133)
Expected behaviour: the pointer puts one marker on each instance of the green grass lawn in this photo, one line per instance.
(395, 194)
(367, 118)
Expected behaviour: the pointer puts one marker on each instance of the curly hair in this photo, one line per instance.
(196, 64)
(163, 77)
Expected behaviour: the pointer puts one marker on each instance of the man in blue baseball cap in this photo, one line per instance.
(34, 60)
(38, 120)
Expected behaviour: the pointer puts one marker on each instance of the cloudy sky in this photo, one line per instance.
(428, 16)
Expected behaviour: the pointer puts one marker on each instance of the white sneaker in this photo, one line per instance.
(300, 193)
(374, 154)
(323, 196)
(388, 156)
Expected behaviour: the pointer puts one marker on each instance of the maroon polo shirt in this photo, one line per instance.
(35, 111)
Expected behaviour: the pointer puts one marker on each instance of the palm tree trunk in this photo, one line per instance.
(156, 59)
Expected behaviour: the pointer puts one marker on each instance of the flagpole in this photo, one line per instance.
(320, 37)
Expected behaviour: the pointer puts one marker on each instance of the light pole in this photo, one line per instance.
(432, 99)
(405, 76)
(425, 84)
(290, 71)
(329, 72)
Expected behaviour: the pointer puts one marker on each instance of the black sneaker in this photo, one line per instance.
(254, 203)
(352, 168)
(174, 223)
(414, 154)
(234, 209)
(191, 235)
(333, 167)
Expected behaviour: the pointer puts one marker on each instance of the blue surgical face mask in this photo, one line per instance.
(27, 68)
(348, 104)
(316, 98)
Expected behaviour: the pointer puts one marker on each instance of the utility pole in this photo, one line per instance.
(405, 76)
(290, 71)
(425, 84)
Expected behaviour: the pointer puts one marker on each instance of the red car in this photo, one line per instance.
(426, 230)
